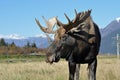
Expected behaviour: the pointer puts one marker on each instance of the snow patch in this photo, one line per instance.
(40, 35)
(118, 19)
(16, 36)
(12, 36)
(44, 36)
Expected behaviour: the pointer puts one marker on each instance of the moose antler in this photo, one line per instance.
(63, 28)
(76, 16)
(79, 18)
(84, 15)
(79, 21)
(64, 25)
(50, 25)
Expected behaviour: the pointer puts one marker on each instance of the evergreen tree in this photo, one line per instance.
(28, 44)
(33, 45)
(13, 44)
(2, 42)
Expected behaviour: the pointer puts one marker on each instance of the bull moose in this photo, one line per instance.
(78, 42)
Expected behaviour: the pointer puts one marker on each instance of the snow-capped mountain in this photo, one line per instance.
(12, 36)
(108, 42)
(111, 27)
(40, 40)
(118, 19)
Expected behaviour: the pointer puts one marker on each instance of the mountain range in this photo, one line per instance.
(108, 41)
(39, 40)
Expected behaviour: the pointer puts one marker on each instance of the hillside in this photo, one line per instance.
(108, 44)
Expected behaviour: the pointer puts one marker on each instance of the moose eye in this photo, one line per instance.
(63, 38)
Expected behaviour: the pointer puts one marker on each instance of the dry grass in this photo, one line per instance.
(108, 69)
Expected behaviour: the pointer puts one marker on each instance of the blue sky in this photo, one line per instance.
(18, 16)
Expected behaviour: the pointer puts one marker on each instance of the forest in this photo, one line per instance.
(12, 49)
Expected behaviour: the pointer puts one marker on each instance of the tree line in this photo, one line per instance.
(12, 49)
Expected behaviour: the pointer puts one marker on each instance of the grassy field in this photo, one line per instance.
(108, 69)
